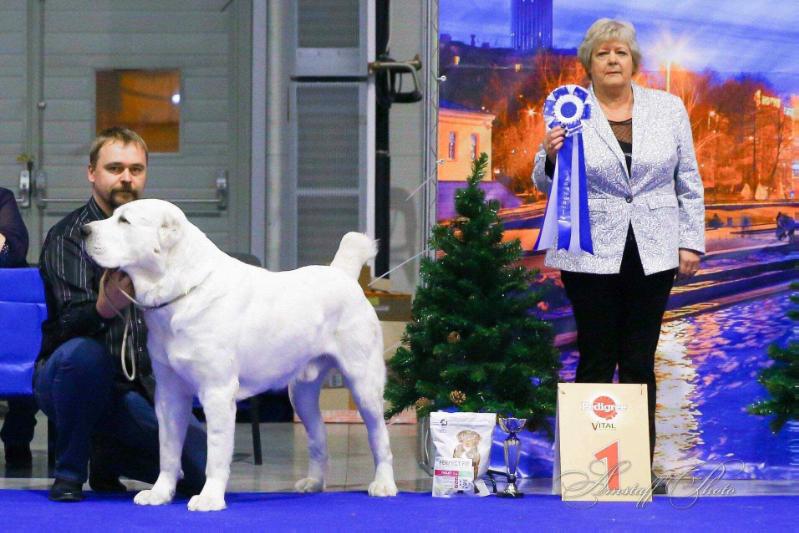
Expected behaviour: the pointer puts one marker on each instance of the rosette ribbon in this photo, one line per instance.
(566, 220)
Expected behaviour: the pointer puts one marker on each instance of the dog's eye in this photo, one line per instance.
(123, 220)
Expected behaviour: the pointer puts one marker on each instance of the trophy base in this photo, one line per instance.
(511, 492)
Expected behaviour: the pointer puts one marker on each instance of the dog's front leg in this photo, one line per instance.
(173, 410)
(219, 404)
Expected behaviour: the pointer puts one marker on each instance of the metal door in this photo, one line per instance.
(49, 112)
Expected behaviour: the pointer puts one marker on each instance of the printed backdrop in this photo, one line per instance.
(735, 64)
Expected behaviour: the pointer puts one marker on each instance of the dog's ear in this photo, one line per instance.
(170, 231)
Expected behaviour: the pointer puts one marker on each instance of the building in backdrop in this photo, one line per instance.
(531, 24)
(462, 134)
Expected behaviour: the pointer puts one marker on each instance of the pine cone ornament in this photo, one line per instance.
(457, 397)
(422, 402)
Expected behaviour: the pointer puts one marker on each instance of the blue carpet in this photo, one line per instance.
(409, 512)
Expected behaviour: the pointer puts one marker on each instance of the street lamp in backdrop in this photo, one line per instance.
(672, 50)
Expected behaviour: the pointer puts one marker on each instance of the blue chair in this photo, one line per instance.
(22, 311)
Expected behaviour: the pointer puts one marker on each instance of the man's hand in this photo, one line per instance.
(689, 263)
(111, 300)
(2, 240)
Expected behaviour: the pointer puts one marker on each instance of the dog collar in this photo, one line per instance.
(146, 307)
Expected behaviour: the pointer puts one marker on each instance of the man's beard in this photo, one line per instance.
(122, 195)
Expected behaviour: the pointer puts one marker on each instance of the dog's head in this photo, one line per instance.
(468, 439)
(138, 235)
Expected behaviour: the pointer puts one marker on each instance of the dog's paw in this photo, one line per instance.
(204, 502)
(381, 488)
(309, 484)
(152, 497)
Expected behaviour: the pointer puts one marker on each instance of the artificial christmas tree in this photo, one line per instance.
(781, 380)
(474, 342)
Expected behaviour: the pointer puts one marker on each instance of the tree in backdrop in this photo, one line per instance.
(781, 380)
(742, 142)
(474, 343)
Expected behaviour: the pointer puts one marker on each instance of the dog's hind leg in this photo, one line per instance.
(363, 368)
(304, 393)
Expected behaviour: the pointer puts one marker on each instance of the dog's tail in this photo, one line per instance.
(355, 250)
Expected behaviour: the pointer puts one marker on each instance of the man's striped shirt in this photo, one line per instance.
(71, 282)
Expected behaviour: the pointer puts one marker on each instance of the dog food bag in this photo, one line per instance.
(461, 436)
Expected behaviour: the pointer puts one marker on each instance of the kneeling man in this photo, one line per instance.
(101, 415)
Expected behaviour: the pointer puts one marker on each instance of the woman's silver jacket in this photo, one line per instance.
(663, 199)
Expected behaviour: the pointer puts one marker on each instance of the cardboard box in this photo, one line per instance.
(602, 444)
(390, 306)
(392, 337)
(367, 283)
(335, 399)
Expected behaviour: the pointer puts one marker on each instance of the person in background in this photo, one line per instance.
(20, 420)
(786, 226)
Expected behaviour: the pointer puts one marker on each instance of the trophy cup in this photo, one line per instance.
(512, 426)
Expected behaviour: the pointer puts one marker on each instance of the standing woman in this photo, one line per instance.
(17, 432)
(646, 207)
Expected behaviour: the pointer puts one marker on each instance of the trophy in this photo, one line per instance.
(512, 426)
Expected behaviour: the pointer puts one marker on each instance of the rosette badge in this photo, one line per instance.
(566, 221)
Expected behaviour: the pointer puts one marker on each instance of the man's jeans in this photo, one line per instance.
(76, 389)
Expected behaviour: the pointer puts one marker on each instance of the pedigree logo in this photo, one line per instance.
(604, 407)
(604, 410)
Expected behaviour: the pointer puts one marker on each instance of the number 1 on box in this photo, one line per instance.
(611, 454)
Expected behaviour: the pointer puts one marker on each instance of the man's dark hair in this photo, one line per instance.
(116, 133)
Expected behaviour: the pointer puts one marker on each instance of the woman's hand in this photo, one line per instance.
(553, 141)
(689, 263)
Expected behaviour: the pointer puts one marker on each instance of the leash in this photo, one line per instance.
(131, 374)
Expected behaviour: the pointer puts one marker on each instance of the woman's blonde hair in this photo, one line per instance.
(604, 30)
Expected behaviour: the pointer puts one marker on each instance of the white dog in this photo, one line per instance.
(223, 330)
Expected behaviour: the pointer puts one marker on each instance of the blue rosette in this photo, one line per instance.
(566, 221)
